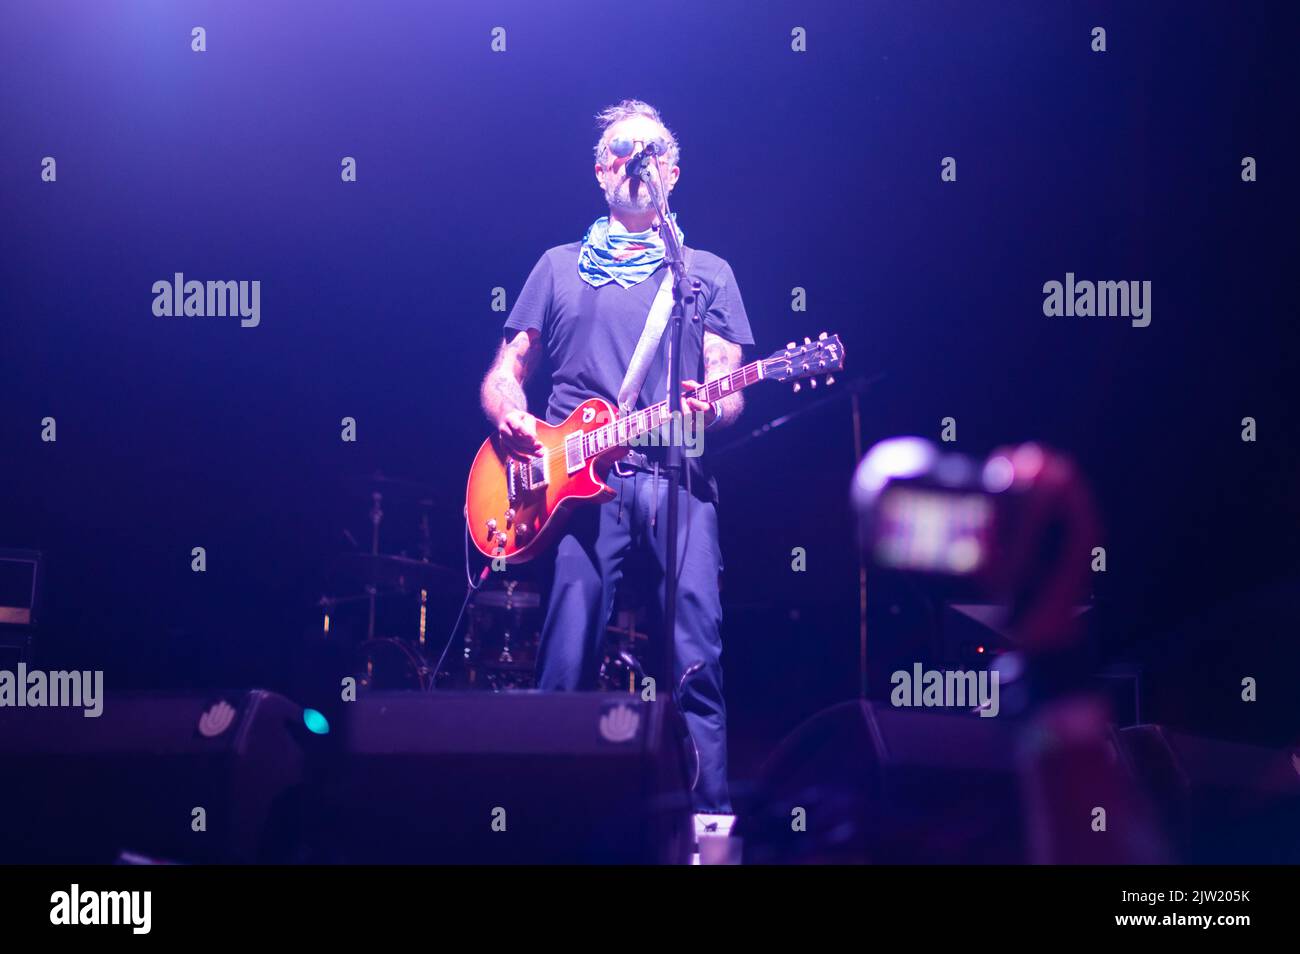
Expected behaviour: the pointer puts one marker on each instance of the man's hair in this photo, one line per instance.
(626, 110)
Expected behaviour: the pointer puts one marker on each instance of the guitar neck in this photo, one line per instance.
(626, 429)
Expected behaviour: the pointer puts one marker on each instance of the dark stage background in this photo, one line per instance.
(818, 169)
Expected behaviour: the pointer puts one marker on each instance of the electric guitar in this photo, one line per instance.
(515, 507)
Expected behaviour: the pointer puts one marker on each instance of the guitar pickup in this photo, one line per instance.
(574, 459)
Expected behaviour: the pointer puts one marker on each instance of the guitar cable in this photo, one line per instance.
(470, 590)
(681, 683)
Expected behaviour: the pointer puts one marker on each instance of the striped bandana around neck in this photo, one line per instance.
(610, 253)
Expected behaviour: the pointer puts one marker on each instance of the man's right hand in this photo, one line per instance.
(518, 430)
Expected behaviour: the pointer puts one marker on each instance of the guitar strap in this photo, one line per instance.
(660, 310)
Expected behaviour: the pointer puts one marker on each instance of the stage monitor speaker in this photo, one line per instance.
(512, 777)
(1221, 802)
(84, 790)
(863, 783)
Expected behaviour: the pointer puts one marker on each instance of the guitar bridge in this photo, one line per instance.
(526, 475)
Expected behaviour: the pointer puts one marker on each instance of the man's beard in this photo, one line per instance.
(622, 198)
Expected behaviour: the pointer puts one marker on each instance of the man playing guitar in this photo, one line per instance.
(581, 313)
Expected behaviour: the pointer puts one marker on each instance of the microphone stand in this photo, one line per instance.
(685, 294)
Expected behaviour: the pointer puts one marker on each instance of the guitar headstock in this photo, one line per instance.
(807, 360)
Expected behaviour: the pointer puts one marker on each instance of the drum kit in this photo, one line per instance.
(383, 604)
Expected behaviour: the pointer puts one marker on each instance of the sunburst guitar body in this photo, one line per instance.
(516, 507)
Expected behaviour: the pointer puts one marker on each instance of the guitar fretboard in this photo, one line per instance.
(627, 429)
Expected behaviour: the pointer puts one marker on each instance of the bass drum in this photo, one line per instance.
(390, 664)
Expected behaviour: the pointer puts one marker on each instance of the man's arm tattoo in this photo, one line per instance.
(502, 390)
(721, 357)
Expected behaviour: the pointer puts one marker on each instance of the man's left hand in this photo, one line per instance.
(692, 405)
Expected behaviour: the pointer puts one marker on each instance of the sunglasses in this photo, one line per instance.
(622, 148)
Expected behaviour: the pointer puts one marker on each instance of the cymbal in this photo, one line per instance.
(379, 482)
(385, 571)
(512, 599)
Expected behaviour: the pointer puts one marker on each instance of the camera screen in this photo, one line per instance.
(933, 531)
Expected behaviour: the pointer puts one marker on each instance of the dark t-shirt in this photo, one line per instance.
(588, 336)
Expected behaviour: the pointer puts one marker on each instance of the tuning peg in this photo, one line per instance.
(822, 336)
(790, 346)
(830, 379)
(797, 387)
(812, 383)
(807, 341)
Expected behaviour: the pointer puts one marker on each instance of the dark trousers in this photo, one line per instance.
(589, 563)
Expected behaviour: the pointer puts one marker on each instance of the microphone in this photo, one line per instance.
(637, 162)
